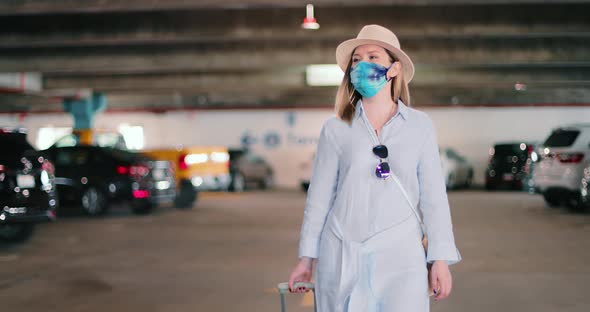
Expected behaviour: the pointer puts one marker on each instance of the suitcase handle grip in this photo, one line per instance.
(284, 287)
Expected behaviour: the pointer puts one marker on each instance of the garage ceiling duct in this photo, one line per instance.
(20, 82)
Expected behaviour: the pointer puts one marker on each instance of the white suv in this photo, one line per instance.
(559, 173)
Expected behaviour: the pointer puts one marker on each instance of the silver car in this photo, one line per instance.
(563, 159)
(457, 170)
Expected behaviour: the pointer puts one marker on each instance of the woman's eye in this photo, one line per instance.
(354, 60)
(373, 57)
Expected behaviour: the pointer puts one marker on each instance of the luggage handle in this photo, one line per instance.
(284, 289)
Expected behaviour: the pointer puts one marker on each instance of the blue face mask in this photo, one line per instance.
(369, 78)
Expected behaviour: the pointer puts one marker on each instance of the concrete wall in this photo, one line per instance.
(287, 138)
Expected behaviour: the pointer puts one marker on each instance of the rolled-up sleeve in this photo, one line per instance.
(434, 203)
(321, 194)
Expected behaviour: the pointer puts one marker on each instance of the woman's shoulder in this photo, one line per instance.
(336, 130)
(334, 124)
(420, 118)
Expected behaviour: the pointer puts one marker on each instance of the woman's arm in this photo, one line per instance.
(434, 203)
(321, 193)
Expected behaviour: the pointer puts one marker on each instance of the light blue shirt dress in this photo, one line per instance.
(347, 200)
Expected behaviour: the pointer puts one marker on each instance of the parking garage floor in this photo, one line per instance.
(229, 252)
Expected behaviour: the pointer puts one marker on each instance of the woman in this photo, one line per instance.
(358, 225)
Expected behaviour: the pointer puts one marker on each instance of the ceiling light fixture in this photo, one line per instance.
(309, 22)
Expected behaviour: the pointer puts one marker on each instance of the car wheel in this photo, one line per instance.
(267, 182)
(16, 232)
(451, 182)
(94, 202)
(575, 203)
(552, 200)
(469, 180)
(142, 207)
(305, 186)
(238, 183)
(187, 196)
(490, 186)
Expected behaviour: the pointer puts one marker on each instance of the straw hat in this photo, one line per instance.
(378, 35)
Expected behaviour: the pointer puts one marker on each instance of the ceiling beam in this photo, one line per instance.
(263, 81)
(270, 23)
(287, 53)
(158, 101)
(36, 7)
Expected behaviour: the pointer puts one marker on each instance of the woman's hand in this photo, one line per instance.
(441, 279)
(301, 273)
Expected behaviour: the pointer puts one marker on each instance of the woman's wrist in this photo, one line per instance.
(306, 261)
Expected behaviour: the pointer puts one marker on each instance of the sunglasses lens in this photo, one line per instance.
(383, 170)
(380, 151)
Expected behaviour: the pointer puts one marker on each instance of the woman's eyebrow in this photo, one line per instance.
(372, 51)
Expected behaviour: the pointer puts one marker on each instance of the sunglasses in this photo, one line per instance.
(383, 171)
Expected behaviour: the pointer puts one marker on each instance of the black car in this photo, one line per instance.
(510, 166)
(94, 177)
(248, 169)
(27, 186)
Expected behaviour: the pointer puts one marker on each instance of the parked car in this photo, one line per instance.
(585, 190)
(510, 165)
(27, 187)
(197, 168)
(248, 169)
(99, 137)
(95, 177)
(457, 170)
(563, 159)
(184, 192)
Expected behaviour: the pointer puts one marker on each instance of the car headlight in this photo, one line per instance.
(200, 158)
(44, 177)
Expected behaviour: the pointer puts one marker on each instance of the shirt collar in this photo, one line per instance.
(402, 110)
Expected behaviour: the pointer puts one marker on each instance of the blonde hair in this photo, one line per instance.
(347, 97)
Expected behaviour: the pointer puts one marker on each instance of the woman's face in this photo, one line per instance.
(371, 53)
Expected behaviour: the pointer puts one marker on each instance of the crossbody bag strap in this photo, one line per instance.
(401, 187)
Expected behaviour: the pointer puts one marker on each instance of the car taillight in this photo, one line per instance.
(48, 166)
(134, 170)
(182, 162)
(124, 170)
(141, 194)
(570, 158)
(139, 170)
(1, 167)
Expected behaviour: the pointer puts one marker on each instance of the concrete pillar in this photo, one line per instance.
(84, 112)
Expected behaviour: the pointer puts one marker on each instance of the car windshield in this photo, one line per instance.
(562, 138)
(502, 150)
(112, 140)
(122, 155)
(13, 148)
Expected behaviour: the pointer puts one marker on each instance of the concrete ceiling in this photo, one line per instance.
(225, 54)
(43, 7)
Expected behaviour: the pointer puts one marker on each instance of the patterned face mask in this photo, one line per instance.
(369, 78)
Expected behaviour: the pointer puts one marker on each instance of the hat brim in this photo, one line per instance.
(344, 53)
